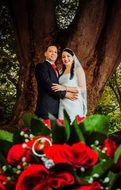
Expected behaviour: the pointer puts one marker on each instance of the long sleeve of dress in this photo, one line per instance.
(81, 79)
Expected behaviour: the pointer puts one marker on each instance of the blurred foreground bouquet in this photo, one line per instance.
(72, 157)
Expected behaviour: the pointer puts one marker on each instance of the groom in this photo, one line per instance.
(46, 74)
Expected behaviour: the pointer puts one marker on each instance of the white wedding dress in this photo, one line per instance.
(79, 106)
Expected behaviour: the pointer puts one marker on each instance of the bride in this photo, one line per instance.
(72, 79)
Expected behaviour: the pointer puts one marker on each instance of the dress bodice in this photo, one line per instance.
(65, 80)
(67, 104)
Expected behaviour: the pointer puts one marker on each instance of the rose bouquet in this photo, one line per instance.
(80, 156)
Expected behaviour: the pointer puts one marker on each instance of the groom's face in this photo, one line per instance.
(51, 53)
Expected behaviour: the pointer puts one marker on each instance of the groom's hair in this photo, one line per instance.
(56, 45)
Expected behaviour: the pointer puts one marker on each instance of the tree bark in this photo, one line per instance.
(34, 31)
(94, 35)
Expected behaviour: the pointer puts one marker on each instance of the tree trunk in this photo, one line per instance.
(34, 31)
(94, 35)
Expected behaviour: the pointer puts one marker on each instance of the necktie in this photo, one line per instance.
(54, 67)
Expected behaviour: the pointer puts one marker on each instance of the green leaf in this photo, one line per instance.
(60, 134)
(102, 156)
(113, 179)
(117, 154)
(67, 124)
(101, 168)
(5, 135)
(27, 117)
(35, 124)
(76, 133)
(38, 128)
(96, 128)
(6, 141)
(2, 159)
(5, 146)
(17, 138)
(96, 123)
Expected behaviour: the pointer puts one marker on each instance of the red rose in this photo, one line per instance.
(93, 186)
(37, 177)
(57, 180)
(47, 123)
(110, 150)
(110, 146)
(59, 153)
(3, 178)
(2, 187)
(78, 155)
(33, 177)
(60, 121)
(79, 119)
(118, 165)
(31, 142)
(16, 153)
(9, 184)
(83, 155)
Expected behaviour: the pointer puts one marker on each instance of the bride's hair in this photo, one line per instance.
(72, 67)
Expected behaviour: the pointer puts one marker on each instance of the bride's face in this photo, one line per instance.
(67, 58)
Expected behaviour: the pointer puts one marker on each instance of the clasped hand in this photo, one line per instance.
(69, 95)
(58, 87)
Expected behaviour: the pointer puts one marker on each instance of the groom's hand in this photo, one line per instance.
(71, 95)
(58, 87)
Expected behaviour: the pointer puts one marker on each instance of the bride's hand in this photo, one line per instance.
(71, 96)
(57, 87)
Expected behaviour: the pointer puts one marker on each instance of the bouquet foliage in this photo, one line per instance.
(77, 156)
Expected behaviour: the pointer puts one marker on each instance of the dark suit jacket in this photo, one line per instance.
(47, 101)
